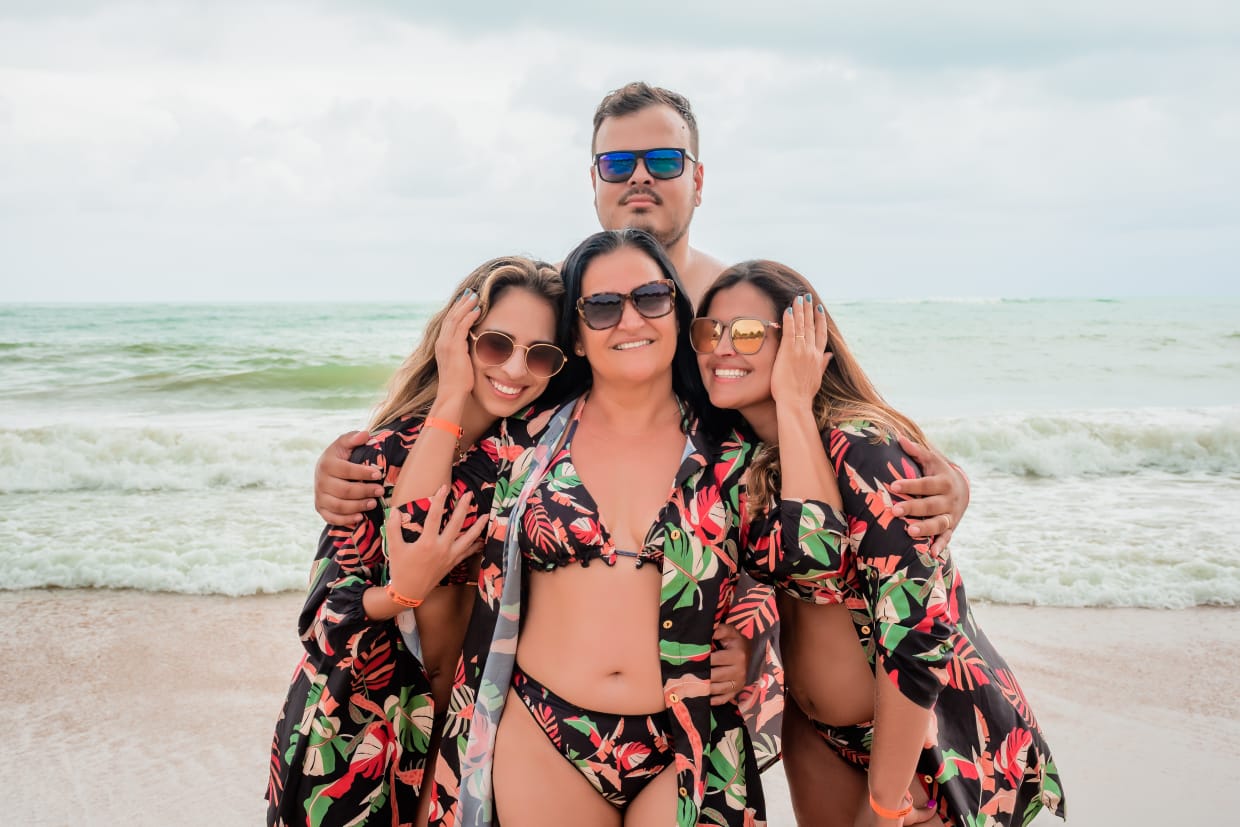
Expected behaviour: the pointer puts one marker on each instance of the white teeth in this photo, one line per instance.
(631, 345)
(508, 389)
(732, 373)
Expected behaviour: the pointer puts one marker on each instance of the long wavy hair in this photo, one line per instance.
(576, 377)
(413, 387)
(846, 392)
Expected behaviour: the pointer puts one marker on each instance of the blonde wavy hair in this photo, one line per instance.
(846, 392)
(414, 385)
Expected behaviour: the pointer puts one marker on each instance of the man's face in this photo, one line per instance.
(662, 207)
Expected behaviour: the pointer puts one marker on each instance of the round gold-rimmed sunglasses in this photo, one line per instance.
(492, 348)
(748, 335)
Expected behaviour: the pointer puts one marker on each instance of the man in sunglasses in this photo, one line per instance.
(646, 174)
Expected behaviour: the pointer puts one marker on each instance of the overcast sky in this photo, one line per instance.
(244, 151)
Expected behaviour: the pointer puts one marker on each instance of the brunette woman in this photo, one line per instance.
(920, 717)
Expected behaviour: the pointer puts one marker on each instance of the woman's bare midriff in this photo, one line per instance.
(825, 669)
(590, 635)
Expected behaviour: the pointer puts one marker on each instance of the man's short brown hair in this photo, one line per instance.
(636, 96)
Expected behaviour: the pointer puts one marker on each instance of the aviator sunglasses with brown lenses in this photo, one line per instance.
(748, 335)
(493, 348)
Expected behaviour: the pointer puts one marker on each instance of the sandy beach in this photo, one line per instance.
(144, 708)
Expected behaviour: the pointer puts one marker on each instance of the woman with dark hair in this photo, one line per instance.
(917, 717)
(352, 741)
(618, 530)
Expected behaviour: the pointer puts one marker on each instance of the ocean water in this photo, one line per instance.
(171, 447)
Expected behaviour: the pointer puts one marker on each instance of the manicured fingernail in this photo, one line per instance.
(378, 492)
(913, 529)
(822, 309)
(800, 300)
(375, 473)
(789, 310)
(371, 504)
(898, 510)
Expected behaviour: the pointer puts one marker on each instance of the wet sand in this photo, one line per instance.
(139, 708)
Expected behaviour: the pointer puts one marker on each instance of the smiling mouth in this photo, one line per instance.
(633, 345)
(506, 390)
(731, 373)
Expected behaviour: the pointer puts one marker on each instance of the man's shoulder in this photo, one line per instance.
(702, 270)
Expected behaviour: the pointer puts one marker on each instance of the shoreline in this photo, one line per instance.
(157, 708)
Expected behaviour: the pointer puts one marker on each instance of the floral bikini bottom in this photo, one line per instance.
(618, 754)
(852, 743)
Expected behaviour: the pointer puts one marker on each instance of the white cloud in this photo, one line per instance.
(279, 150)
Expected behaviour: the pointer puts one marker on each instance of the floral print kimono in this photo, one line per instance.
(351, 743)
(986, 762)
(706, 540)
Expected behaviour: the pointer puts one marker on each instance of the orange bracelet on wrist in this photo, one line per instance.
(883, 812)
(444, 425)
(400, 600)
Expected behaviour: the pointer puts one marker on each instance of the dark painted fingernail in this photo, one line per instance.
(822, 309)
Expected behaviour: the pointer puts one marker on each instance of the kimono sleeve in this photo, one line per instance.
(349, 560)
(902, 580)
(796, 546)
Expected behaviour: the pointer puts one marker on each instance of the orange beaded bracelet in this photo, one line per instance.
(399, 599)
(883, 812)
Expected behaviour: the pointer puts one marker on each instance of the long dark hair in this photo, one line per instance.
(576, 377)
(846, 391)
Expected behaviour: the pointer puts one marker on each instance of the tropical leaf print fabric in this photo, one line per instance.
(705, 543)
(987, 762)
(350, 745)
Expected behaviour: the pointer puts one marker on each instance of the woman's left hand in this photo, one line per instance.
(803, 356)
(728, 664)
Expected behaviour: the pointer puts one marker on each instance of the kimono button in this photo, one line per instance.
(675, 534)
(929, 779)
(683, 792)
(865, 630)
(674, 698)
(667, 624)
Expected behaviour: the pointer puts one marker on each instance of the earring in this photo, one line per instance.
(579, 350)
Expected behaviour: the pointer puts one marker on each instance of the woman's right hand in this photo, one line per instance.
(416, 568)
(456, 370)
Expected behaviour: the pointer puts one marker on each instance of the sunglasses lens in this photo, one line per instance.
(544, 360)
(704, 335)
(493, 348)
(602, 310)
(748, 336)
(653, 300)
(665, 163)
(614, 167)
